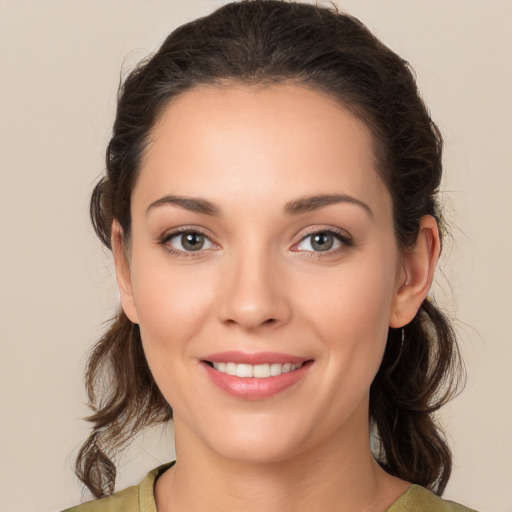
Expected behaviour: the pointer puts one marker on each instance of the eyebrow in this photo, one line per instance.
(188, 203)
(311, 203)
(302, 205)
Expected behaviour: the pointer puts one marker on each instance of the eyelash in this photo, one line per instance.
(340, 236)
(164, 241)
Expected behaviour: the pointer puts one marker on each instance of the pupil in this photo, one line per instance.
(322, 241)
(193, 241)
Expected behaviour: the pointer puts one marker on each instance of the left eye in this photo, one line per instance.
(189, 241)
(320, 241)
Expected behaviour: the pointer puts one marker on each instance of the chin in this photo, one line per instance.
(258, 441)
(259, 452)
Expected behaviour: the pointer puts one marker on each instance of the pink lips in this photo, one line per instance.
(253, 388)
(234, 356)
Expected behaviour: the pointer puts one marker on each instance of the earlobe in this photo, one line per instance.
(123, 275)
(419, 264)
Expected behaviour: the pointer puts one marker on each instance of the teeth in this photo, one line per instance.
(230, 368)
(244, 370)
(261, 371)
(276, 369)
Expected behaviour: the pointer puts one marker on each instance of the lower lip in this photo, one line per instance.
(252, 388)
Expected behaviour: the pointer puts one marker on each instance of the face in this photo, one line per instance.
(262, 268)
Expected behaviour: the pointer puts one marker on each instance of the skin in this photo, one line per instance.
(259, 285)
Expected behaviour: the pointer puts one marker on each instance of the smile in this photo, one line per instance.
(260, 371)
(255, 376)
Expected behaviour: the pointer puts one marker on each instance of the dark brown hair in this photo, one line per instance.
(264, 42)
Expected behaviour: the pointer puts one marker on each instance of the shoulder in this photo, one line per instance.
(126, 500)
(419, 499)
(138, 498)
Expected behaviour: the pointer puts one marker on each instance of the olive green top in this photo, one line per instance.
(140, 498)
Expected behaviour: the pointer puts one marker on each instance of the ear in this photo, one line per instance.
(419, 264)
(123, 275)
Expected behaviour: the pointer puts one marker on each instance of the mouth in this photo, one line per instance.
(260, 371)
(255, 376)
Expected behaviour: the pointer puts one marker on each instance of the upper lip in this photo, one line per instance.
(235, 356)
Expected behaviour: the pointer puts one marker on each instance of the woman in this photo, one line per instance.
(270, 201)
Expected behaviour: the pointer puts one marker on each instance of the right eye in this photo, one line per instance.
(187, 241)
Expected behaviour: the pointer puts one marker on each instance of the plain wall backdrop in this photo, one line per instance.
(59, 70)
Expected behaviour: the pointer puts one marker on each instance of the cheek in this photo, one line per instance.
(169, 299)
(356, 298)
(350, 310)
(172, 307)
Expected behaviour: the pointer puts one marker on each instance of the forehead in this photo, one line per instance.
(256, 140)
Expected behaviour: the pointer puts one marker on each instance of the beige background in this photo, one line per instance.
(59, 71)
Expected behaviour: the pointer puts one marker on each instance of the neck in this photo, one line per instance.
(346, 478)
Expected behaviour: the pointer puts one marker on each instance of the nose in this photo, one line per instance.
(253, 292)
